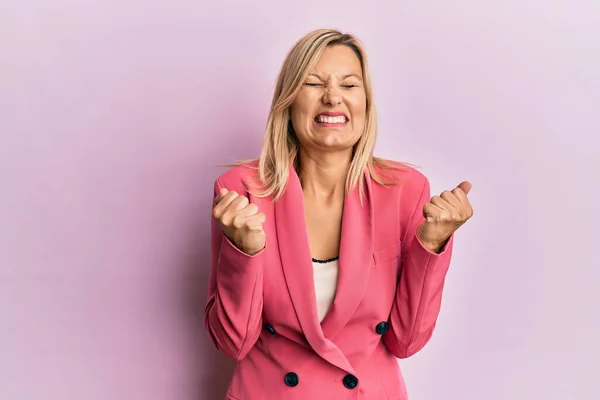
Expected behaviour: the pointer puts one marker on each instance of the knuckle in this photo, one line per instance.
(241, 202)
(238, 223)
(255, 228)
(466, 213)
(260, 218)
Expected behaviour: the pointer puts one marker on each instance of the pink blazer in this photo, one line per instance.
(261, 309)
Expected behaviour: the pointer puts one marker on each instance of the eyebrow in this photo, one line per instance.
(343, 77)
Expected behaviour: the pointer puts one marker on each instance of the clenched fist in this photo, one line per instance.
(240, 221)
(444, 214)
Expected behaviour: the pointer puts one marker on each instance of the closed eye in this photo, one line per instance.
(349, 86)
(313, 84)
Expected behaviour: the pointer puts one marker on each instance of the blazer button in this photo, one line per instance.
(350, 381)
(381, 328)
(270, 329)
(291, 379)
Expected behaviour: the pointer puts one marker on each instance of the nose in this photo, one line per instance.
(332, 96)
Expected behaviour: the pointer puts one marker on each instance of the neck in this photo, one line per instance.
(323, 176)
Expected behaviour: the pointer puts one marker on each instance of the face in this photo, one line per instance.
(330, 110)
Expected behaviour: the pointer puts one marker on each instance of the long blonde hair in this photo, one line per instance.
(280, 146)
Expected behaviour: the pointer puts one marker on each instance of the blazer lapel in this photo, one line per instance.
(296, 260)
(356, 250)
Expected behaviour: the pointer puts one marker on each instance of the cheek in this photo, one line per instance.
(300, 115)
(302, 109)
(304, 102)
(358, 109)
(301, 122)
(358, 106)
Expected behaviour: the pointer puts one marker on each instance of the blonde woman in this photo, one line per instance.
(327, 263)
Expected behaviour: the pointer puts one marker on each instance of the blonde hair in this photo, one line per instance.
(280, 146)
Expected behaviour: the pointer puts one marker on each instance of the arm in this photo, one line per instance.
(233, 312)
(419, 292)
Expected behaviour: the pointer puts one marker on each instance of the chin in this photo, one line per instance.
(337, 144)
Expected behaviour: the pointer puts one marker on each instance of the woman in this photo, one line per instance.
(327, 263)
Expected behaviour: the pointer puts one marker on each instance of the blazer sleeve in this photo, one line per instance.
(233, 312)
(419, 292)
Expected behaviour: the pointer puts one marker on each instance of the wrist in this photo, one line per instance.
(253, 250)
(433, 246)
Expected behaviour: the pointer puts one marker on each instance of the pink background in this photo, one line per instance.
(113, 115)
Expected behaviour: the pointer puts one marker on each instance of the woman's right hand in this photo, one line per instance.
(240, 221)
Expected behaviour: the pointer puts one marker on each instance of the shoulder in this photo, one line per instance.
(238, 177)
(400, 177)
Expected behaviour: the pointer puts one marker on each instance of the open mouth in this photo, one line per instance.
(331, 120)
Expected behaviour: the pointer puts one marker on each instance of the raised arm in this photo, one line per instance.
(426, 255)
(233, 311)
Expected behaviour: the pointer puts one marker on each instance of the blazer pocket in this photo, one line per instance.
(387, 254)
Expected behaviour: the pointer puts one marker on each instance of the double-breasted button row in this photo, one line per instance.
(291, 379)
(381, 328)
(349, 381)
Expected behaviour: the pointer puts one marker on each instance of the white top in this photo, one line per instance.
(325, 277)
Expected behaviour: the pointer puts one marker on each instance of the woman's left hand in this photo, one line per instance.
(444, 214)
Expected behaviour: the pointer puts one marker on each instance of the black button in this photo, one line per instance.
(350, 381)
(270, 329)
(381, 328)
(291, 379)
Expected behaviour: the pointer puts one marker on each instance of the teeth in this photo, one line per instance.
(331, 120)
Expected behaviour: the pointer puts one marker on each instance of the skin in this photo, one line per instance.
(334, 85)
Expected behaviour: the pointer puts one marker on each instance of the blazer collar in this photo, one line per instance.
(356, 247)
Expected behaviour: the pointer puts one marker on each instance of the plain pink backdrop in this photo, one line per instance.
(113, 115)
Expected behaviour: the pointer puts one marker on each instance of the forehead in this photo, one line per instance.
(338, 60)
